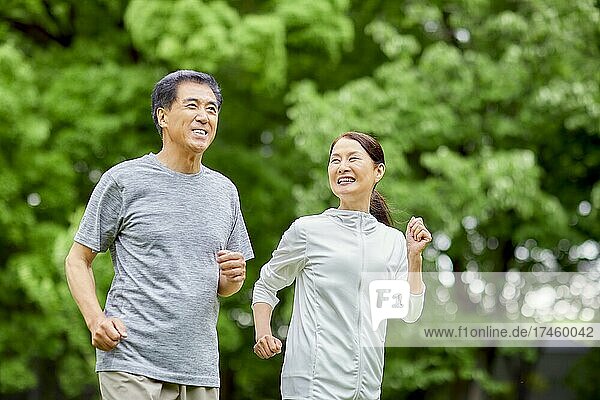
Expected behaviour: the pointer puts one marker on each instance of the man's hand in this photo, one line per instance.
(107, 333)
(267, 346)
(232, 271)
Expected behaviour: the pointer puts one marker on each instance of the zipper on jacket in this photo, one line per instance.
(360, 278)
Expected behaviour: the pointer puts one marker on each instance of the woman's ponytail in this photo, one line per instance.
(379, 209)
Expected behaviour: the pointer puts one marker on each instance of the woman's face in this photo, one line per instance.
(353, 174)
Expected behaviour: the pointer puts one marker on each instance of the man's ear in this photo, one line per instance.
(161, 116)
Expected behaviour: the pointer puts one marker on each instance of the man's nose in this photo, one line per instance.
(202, 116)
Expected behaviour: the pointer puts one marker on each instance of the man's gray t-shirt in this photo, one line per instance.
(164, 229)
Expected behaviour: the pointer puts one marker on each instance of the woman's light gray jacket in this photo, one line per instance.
(331, 351)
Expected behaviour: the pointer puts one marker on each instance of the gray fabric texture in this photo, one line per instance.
(163, 230)
(332, 351)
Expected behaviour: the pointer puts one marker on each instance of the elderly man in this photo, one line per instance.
(177, 239)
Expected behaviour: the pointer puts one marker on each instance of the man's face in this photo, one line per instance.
(190, 125)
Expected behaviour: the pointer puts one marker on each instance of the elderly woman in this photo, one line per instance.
(332, 350)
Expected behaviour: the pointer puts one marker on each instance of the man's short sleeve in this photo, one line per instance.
(102, 217)
(239, 239)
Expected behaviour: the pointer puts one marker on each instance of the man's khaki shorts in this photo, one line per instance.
(124, 386)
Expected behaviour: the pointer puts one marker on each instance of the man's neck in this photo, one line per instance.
(185, 164)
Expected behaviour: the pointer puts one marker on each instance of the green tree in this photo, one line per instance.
(482, 115)
(489, 113)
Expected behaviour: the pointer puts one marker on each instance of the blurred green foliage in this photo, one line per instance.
(489, 113)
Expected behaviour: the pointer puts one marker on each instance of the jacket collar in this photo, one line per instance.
(355, 220)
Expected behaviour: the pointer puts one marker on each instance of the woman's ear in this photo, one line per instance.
(379, 172)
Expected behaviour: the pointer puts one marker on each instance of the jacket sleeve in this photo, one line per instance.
(281, 270)
(415, 307)
(416, 301)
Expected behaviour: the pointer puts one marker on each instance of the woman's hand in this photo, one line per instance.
(417, 236)
(267, 346)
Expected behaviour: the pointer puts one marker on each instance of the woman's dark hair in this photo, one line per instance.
(165, 90)
(378, 206)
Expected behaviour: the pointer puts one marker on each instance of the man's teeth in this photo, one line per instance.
(200, 132)
(346, 180)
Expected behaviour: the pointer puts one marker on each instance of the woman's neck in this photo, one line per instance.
(363, 206)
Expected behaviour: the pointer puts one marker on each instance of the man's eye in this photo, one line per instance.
(334, 161)
(212, 109)
(190, 106)
(354, 158)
